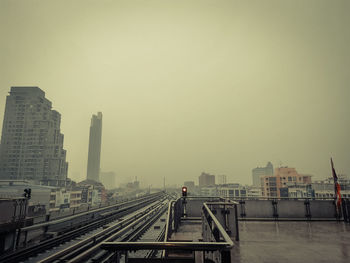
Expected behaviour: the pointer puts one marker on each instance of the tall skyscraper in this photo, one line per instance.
(258, 172)
(93, 166)
(31, 142)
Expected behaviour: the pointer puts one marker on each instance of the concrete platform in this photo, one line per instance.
(292, 242)
(188, 231)
(274, 242)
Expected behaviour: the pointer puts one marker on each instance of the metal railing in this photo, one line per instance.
(215, 239)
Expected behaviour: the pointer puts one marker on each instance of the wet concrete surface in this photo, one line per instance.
(188, 231)
(272, 242)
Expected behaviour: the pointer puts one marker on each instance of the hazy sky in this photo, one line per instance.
(188, 86)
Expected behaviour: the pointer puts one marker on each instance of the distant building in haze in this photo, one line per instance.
(93, 166)
(261, 171)
(190, 186)
(206, 180)
(133, 185)
(232, 191)
(222, 179)
(31, 142)
(276, 186)
(108, 179)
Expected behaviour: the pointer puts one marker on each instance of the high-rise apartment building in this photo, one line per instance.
(206, 180)
(31, 142)
(94, 155)
(258, 172)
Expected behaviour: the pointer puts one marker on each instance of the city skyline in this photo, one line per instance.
(186, 88)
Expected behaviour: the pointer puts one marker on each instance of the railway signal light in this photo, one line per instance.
(184, 191)
(27, 193)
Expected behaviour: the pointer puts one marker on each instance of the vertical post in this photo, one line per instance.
(345, 214)
(14, 212)
(307, 208)
(226, 256)
(25, 238)
(348, 209)
(20, 222)
(18, 237)
(275, 209)
(242, 204)
(15, 231)
(126, 257)
(236, 223)
(117, 257)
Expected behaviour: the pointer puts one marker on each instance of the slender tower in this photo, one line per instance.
(93, 166)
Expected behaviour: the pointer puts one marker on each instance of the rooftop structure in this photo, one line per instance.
(221, 179)
(276, 186)
(261, 171)
(206, 179)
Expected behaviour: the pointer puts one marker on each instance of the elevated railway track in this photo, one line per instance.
(74, 241)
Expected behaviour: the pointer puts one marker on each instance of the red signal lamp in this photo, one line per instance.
(184, 191)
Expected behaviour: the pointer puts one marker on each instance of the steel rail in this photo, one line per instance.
(83, 256)
(29, 251)
(152, 253)
(87, 246)
(140, 230)
(168, 245)
(61, 220)
(97, 237)
(193, 246)
(105, 256)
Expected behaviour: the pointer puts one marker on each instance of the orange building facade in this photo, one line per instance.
(271, 185)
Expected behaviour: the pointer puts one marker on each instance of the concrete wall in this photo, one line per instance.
(286, 209)
(194, 205)
(291, 209)
(296, 209)
(322, 208)
(7, 208)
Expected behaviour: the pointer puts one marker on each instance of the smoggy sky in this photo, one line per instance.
(188, 86)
